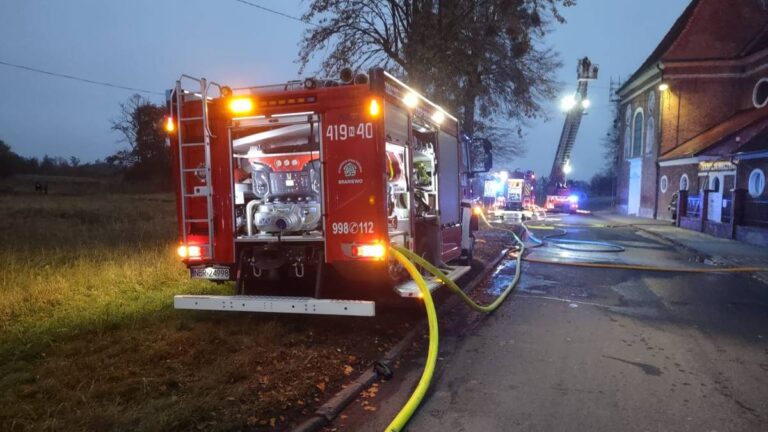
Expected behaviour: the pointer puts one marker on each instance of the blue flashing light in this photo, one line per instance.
(573, 198)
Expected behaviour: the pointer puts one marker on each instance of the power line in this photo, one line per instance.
(276, 12)
(76, 78)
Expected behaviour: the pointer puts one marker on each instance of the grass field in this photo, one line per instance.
(89, 339)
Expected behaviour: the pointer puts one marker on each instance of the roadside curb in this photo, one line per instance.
(328, 411)
(761, 276)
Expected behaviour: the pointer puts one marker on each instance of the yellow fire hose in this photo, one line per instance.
(650, 268)
(408, 409)
(409, 260)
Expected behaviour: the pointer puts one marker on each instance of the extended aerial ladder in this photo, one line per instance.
(558, 194)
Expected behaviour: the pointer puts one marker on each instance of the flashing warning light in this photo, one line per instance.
(241, 105)
(411, 100)
(191, 252)
(374, 109)
(663, 87)
(169, 125)
(567, 169)
(375, 251)
(586, 103)
(438, 116)
(573, 199)
(477, 210)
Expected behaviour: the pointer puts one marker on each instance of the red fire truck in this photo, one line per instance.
(304, 185)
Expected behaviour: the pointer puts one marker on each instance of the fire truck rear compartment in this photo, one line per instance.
(277, 200)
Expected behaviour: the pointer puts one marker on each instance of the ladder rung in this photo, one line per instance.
(198, 221)
(195, 169)
(192, 144)
(190, 118)
(195, 195)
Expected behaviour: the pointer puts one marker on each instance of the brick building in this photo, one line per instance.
(694, 117)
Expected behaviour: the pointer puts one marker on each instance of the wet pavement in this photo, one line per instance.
(596, 349)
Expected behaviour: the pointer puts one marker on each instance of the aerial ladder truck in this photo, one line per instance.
(559, 196)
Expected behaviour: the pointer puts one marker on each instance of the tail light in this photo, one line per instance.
(191, 252)
(372, 251)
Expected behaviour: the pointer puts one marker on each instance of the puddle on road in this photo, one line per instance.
(529, 283)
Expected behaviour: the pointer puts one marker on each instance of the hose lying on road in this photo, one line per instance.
(650, 268)
(408, 409)
(407, 259)
(612, 247)
(564, 243)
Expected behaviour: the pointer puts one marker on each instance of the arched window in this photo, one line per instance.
(756, 183)
(651, 102)
(684, 182)
(760, 93)
(628, 132)
(650, 135)
(637, 133)
(714, 184)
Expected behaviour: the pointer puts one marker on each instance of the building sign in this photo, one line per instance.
(722, 165)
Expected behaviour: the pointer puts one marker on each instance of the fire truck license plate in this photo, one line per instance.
(212, 273)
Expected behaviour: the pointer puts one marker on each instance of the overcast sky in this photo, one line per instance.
(147, 43)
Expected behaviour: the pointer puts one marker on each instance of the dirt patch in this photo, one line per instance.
(230, 372)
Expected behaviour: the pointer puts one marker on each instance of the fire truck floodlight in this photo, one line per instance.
(568, 102)
(241, 105)
(438, 116)
(374, 109)
(169, 126)
(411, 99)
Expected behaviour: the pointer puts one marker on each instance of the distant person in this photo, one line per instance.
(672, 207)
(38, 187)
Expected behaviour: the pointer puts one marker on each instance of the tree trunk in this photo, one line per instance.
(469, 104)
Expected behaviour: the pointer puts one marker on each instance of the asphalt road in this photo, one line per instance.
(578, 349)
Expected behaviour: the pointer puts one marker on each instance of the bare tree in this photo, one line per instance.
(484, 59)
(140, 124)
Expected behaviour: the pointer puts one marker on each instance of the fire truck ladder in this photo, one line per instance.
(586, 72)
(202, 170)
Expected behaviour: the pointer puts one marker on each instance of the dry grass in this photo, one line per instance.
(71, 264)
(89, 339)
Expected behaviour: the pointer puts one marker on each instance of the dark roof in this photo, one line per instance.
(757, 143)
(721, 139)
(665, 43)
